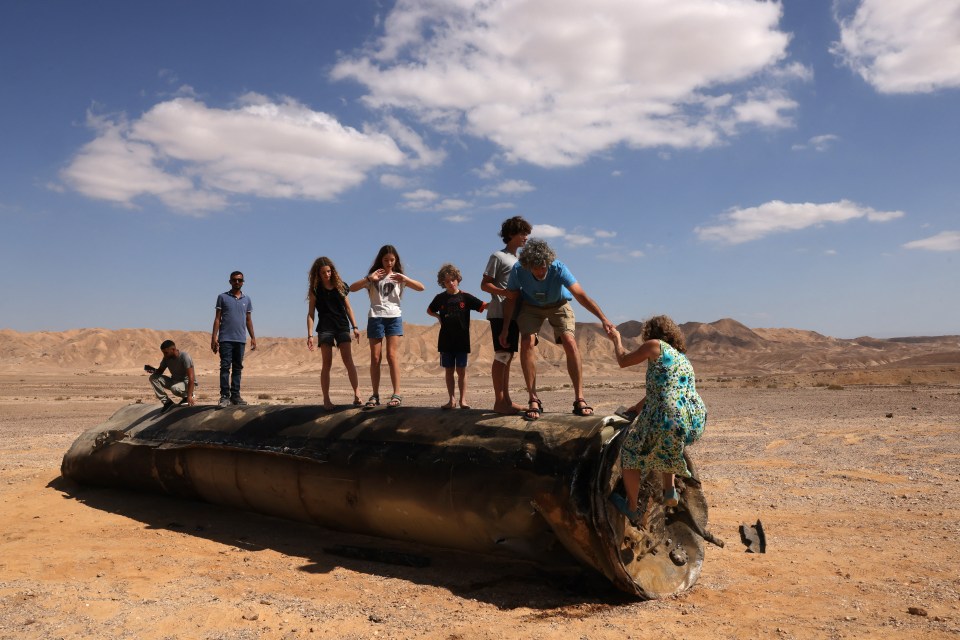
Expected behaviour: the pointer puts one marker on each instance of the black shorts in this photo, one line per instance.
(513, 335)
(333, 337)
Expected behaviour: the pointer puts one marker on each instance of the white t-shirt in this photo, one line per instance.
(498, 268)
(385, 298)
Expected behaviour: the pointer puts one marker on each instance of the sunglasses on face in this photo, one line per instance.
(236, 279)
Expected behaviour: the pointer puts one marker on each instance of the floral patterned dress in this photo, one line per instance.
(673, 416)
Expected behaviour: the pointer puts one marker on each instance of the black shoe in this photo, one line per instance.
(239, 401)
(183, 402)
(167, 406)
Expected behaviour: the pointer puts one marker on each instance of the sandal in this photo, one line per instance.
(620, 502)
(372, 402)
(580, 408)
(532, 413)
(395, 401)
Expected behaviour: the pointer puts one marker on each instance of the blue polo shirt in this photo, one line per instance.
(549, 291)
(233, 317)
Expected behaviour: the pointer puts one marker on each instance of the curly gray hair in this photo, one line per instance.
(536, 253)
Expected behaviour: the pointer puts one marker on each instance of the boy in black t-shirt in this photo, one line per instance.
(452, 308)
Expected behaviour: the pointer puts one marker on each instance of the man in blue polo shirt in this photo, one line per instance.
(230, 326)
(543, 286)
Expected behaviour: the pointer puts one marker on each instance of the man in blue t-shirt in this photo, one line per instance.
(543, 286)
(230, 326)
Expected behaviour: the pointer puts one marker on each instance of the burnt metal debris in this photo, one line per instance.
(754, 537)
(468, 480)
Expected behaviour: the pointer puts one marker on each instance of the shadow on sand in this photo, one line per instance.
(502, 583)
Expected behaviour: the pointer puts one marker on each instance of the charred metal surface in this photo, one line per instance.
(466, 480)
(754, 537)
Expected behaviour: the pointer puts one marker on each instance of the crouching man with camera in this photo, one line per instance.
(181, 382)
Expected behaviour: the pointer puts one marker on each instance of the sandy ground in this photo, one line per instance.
(860, 509)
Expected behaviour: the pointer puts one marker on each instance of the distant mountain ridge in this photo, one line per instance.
(725, 346)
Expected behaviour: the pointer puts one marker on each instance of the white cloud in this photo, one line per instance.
(426, 200)
(552, 83)
(457, 218)
(830, 252)
(547, 231)
(393, 181)
(818, 143)
(193, 157)
(943, 241)
(424, 156)
(903, 46)
(420, 199)
(451, 204)
(575, 238)
(502, 205)
(488, 170)
(507, 187)
(744, 225)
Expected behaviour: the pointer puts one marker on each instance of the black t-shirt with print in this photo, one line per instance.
(454, 311)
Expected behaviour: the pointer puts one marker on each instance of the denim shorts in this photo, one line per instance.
(378, 328)
(453, 359)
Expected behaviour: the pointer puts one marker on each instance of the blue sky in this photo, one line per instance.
(789, 164)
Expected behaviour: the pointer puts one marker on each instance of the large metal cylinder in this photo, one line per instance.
(466, 479)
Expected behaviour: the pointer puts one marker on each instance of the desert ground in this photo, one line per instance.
(853, 471)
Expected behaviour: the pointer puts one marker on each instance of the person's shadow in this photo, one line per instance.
(503, 583)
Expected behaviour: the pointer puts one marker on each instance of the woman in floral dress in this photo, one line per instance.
(671, 416)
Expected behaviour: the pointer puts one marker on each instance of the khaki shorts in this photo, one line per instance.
(560, 316)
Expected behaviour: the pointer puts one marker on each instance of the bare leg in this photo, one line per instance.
(346, 354)
(497, 374)
(462, 384)
(631, 484)
(327, 352)
(448, 378)
(393, 361)
(528, 363)
(376, 355)
(574, 365)
(502, 403)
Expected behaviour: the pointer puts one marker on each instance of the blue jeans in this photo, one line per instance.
(231, 355)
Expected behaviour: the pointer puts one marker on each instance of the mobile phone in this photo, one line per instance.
(148, 368)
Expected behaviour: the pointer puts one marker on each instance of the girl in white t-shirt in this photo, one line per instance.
(385, 282)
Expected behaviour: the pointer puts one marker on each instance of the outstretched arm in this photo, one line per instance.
(591, 306)
(407, 281)
(649, 350)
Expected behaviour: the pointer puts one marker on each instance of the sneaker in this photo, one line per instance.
(167, 405)
(183, 402)
(224, 402)
(670, 497)
(239, 401)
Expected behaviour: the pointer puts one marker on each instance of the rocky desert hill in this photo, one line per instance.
(722, 348)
